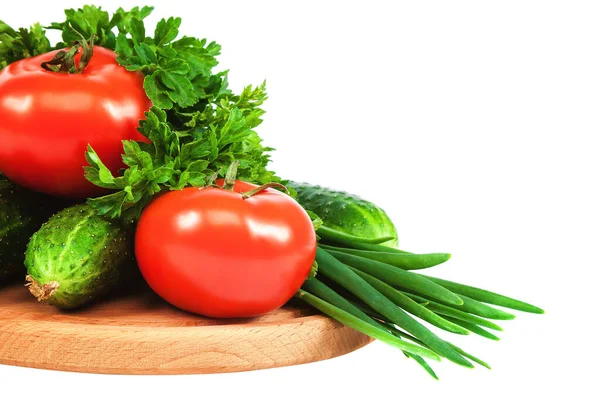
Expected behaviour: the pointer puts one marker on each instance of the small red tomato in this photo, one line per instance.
(48, 118)
(211, 252)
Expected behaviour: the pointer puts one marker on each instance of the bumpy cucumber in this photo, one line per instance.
(345, 212)
(77, 257)
(21, 213)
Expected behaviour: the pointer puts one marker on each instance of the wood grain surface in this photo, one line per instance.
(138, 333)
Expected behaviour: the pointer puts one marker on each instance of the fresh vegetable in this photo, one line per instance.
(340, 273)
(194, 140)
(231, 252)
(346, 212)
(352, 285)
(197, 126)
(21, 213)
(404, 260)
(52, 110)
(209, 250)
(77, 257)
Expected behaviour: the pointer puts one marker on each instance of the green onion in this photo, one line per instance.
(411, 306)
(473, 307)
(372, 247)
(368, 310)
(319, 289)
(398, 277)
(407, 261)
(471, 357)
(458, 314)
(344, 276)
(486, 296)
(483, 310)
(397, 332)
(476, 329)
(418, 359)
(424, 364)
(345, 239)
(364, 327)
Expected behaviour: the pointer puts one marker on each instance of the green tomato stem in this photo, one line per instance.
(64, 61)
(250, 193)
(231, 175)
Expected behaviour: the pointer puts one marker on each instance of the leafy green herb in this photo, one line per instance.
(189, 157)
(23, 43)
(197, 125)
(178, 72)
(92, 20)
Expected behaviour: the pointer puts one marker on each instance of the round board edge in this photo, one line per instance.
(174, 350)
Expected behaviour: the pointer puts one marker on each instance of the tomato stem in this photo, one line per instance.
(210, 182)
(250, 193)
(230, 176)
(64, 61)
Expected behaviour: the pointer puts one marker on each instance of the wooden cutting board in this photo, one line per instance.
(138, 333)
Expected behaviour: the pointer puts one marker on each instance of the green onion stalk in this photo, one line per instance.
(375, 290)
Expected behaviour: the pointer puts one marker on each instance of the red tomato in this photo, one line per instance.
(210, 252)
(47, 120)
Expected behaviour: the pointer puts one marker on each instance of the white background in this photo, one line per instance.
(470, 122)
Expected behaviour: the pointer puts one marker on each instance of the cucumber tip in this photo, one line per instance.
(41, 292)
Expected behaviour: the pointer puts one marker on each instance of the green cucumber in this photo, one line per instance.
(346, 212)
(77, 257)
(21, 213)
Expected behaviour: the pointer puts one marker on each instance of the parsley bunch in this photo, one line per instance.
(197, 125)
(23, 43)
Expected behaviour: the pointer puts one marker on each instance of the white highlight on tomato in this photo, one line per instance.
(77, 101)
(188, 220)
(269, 231)
(19, 104)
(120, 111)
(223, 217)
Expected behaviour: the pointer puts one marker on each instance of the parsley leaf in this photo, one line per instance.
(23, 43)
(166, 31)
(197, 126)
(178, 72)
(90, 20)
(189, 157)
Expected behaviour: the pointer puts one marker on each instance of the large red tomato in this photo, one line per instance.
(208, 251)
(48, 118)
